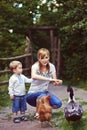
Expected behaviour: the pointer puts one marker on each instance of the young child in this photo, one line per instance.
(17, 91)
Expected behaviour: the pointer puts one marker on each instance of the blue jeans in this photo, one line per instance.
(19, 104)
(54, 101)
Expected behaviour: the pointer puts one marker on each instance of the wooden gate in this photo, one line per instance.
(55, 44)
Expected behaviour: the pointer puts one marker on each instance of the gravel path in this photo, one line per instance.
(59, 91)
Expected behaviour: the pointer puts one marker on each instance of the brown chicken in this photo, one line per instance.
(44, 108)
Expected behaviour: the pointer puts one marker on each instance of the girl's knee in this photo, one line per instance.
(56, 104)
(60, 104)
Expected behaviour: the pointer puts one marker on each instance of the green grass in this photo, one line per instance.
(58, 120)
(60, 123)
(83, 103)
(4, 100)
(9, 116)
(82, 84)
(79, 84)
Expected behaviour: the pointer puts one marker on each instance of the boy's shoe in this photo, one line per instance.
(16, 120)
(23, 118)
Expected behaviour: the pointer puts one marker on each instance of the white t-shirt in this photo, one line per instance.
(41, 85)
(17, 84)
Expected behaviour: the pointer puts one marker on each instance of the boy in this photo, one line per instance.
(17, 91)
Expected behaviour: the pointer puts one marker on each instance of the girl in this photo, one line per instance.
(43, 72)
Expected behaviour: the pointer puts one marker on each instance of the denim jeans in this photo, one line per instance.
(54, 101)
(19, 104)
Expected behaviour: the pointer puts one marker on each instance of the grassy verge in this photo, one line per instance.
(60, 123)
(82, 84)
(79, 84)
(4, 100)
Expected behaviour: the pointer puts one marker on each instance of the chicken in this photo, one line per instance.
(44, 108)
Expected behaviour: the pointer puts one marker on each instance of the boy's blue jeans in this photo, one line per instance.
(19, 104)
(54, 101)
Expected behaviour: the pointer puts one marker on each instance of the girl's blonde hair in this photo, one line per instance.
(41, 54)
(14, 64)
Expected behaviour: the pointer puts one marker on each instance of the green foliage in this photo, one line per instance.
(5, 100)
(82, 84)
(74, 41)
(70, 17)
(18, 20)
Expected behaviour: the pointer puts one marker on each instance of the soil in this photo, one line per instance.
(60, 91)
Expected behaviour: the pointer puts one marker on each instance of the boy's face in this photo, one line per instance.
(18, 69)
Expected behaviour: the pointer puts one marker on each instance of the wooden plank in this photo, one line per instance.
(3, 83)
(43, 28)
(58, 57)
(4, 71)
(8, 71)
(17, 57)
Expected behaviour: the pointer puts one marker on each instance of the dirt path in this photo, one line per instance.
(60, 91)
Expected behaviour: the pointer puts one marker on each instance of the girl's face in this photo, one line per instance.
(44, 60)
(18, 69)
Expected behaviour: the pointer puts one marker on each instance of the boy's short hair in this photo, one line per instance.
(14, 64)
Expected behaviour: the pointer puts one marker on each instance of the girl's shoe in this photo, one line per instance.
(36, 116)
(16, 120)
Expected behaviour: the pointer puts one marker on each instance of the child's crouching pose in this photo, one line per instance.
(17, 91)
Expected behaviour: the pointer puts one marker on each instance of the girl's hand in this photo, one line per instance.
(11, 97)
(57, 82)
(54, 80)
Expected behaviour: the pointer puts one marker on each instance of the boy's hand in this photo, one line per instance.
(11, 97)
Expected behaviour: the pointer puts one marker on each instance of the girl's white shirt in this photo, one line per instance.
(17, 84)
(41, 85)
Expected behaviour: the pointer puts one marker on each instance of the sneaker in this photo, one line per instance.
(16, 120)
(23, 118)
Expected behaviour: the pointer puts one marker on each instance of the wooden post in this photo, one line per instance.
(28, 60)
(58, 58)
(52, 48)
(55, 48)
(27, 50)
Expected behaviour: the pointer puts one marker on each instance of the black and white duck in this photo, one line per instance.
(73, 110)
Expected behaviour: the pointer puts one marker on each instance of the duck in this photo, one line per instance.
(73, 110)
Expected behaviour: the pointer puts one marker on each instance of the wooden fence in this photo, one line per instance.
(26, 60)
(55, 54)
